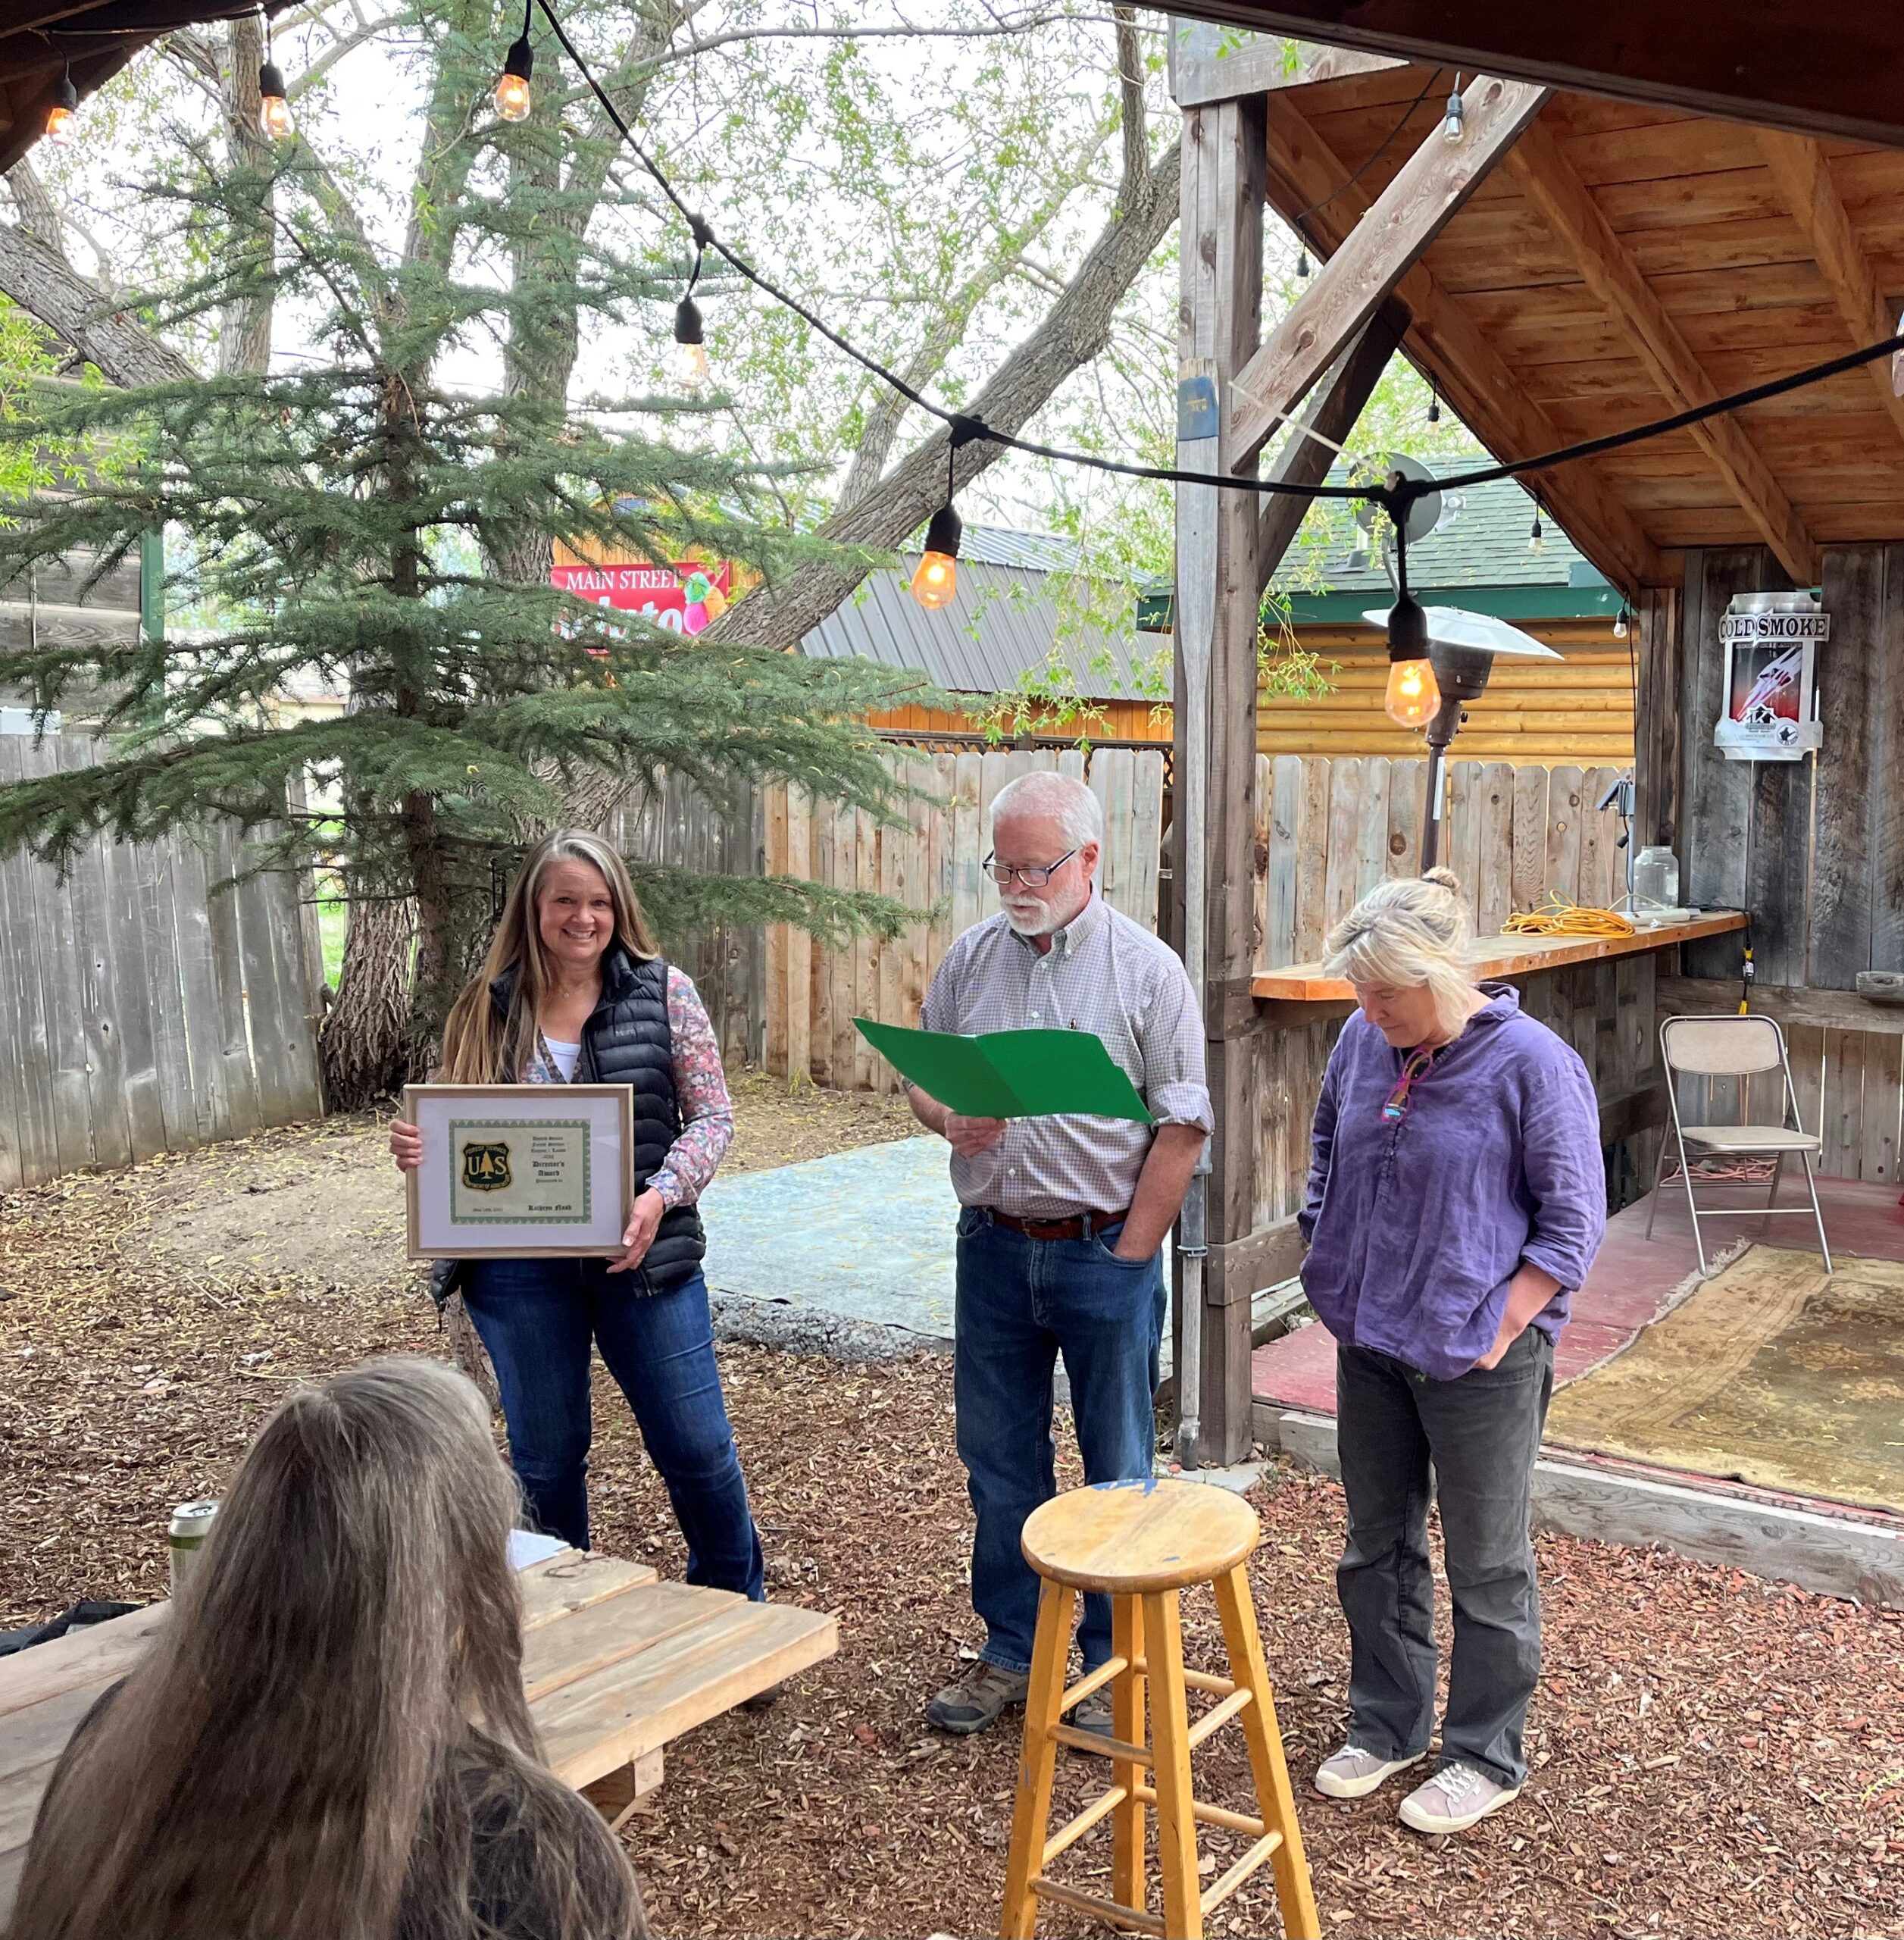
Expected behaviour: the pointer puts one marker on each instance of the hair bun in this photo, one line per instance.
(1446, 878)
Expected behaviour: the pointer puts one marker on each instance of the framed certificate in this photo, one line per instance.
(520, 1171)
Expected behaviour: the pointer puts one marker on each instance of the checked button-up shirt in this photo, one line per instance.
(1103, 973)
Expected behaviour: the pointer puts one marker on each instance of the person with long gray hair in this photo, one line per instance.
(574, 989)
(1063, 1219)
(1456, 1197)
(329, 1736)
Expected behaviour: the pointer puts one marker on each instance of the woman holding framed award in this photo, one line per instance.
(573, 991)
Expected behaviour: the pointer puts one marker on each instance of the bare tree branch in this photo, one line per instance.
(48, 288)
(1074, 330)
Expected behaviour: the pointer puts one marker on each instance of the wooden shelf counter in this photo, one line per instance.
(1502, 956)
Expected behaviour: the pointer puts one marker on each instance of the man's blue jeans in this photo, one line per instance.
(537, 1317)
(1021, 1303)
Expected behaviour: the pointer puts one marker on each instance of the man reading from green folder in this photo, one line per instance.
(1061, 1235)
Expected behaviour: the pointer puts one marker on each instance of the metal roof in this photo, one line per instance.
(1004, 621)
(1483, 543)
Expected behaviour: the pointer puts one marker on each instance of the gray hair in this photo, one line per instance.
(1411, 932)
(1044, 792)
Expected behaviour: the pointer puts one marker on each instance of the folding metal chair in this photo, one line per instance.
(1739, 1047)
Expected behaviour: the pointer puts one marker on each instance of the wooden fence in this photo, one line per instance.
(933, 864)
(141, 1011)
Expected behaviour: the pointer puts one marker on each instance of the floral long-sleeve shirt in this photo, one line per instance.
(700, 1089)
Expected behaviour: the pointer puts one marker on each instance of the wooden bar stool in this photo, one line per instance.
(1141, 1542)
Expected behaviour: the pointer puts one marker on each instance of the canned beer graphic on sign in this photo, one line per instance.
(1771, 641)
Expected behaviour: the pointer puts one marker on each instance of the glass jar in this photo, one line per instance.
(1655, 878)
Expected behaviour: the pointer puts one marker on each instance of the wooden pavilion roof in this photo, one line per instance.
(1624, 261)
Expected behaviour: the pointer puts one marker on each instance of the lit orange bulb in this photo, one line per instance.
(59, 125)
(512, 98)
(274, 117)
(1413, 695)
(936, 581)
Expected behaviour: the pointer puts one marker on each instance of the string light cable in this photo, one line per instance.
(1395, 496)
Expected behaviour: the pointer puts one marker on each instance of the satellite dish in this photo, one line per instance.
(1428, 512)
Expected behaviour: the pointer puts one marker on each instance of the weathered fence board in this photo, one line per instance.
(145, 1009)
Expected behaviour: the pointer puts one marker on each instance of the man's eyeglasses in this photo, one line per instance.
(1034, 877)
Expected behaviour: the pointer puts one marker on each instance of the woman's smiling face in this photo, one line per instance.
(575, 915)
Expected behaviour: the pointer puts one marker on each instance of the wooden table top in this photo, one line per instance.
(1503, 956)
(616, 1663)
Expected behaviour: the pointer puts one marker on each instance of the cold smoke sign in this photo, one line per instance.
(1771, 641)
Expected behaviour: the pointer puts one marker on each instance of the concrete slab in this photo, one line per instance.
(865, 1236)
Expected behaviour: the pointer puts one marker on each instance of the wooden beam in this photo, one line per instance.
(1804, 185)
(1444, 342)
(1819, 1010)
(1334, 405)
(1829, 67)
(1549, 181)
(1211, 63)
(1388, 240)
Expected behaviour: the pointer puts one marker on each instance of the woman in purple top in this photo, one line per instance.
(1456, 1197)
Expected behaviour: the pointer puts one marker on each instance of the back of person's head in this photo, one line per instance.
(1406, 933)
(295, 1755)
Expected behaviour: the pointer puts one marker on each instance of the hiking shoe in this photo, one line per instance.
(1093, 1714)
(1457, 1797)
(976, 1701)
(1352, 1772)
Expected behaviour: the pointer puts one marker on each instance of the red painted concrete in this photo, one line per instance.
(1632, 1280)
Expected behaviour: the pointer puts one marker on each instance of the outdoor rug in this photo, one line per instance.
(1769, 1373)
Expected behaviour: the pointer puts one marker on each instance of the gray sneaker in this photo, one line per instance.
(978, 1700)
(1457, 1797)
(1352, 1772)
(1093, 1714)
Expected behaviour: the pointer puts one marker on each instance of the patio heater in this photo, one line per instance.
(1461, 648)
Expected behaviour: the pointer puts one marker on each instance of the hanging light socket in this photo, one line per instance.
(64, 105)
(512, 85)
(936, 579)
(1620, 624)
(1413, 697)
(1455, 122)
(1536, 533)
(273, 109)
(1302, 261)
(690, 358)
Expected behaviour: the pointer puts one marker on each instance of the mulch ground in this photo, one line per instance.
(1712, 1754)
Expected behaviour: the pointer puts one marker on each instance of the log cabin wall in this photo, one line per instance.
(1814, 849)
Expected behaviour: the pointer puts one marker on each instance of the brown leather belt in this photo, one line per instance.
(1079, 1226)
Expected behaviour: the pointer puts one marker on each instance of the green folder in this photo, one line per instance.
(1010, 1074)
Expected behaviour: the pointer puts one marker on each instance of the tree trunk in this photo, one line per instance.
(365, 1033)
(49, 288)
(1075, 330)
(245, 325)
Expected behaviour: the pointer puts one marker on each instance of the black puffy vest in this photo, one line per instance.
(626, 1041)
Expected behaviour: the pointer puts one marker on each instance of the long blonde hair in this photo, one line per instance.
(1412, 931)
(303, 1748)
(483, 1047)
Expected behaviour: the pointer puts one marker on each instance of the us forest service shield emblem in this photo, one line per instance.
(486, 1167)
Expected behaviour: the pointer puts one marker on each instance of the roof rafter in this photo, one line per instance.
(1805, 186)
(1444, 341)
(1549, 181)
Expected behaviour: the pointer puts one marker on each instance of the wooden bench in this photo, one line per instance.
(616, 1663)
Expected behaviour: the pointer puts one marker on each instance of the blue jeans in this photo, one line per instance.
(536, 1318)
(1021, 1303)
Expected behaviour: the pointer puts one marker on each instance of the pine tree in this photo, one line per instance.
(360, 517)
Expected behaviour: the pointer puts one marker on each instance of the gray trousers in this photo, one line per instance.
(1481, 1433)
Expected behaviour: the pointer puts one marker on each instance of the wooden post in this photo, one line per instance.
(1219, 588)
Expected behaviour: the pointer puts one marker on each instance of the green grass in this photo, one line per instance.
(331, 918)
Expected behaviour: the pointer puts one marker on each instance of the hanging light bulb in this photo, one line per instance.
(1455, 122)
(274, 110)
(512, 84)
(936, 580)
(1302, 260)
(1434, 403)
(1537, 534)
(1620, 624)
(65, 105)
(1413, 698)
(688, 361)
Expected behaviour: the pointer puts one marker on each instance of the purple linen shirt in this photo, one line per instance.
(1417, 1225)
